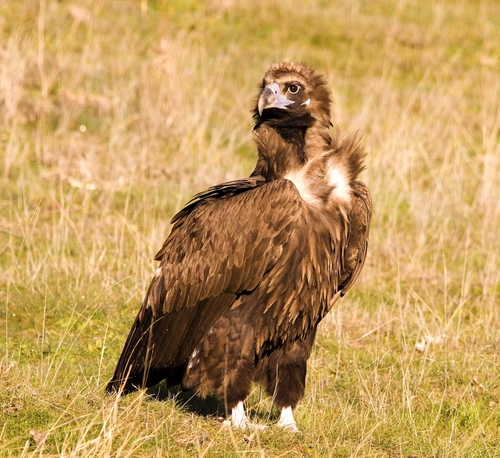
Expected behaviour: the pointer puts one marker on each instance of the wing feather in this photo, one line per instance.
(359, 222)
(220, 246)
(308, 279)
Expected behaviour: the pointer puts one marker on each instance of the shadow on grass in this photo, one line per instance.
(208, 406)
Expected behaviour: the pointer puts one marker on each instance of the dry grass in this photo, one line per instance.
(113, 116)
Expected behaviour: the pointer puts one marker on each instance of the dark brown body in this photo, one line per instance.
(252, 266)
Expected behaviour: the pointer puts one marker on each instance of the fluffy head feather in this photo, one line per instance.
(311, 102)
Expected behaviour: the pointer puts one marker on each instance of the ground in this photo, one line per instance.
(113, 114)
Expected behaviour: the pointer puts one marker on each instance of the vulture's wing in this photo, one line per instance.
(359, 225)
(220, 247)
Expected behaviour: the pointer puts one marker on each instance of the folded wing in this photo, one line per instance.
(221, 246)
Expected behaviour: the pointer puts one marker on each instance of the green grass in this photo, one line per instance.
(113, 114)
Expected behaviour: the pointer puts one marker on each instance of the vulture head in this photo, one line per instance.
(292, 119)
(292, 96)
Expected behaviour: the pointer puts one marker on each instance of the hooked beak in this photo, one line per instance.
(271, 97)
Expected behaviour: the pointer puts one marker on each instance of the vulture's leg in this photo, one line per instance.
(240, 420)
(287, 421)
(286, 377)
(225, 361)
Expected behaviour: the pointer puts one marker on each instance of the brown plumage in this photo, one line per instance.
(252, 266)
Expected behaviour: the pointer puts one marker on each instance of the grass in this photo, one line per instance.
(114, 114)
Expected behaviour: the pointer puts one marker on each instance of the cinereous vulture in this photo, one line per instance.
(252, 266)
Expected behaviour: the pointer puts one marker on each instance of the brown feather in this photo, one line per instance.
(252, 266)
(178, 309)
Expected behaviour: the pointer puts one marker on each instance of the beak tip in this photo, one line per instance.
(266, 100)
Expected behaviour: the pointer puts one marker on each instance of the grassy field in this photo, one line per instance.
(113, 114)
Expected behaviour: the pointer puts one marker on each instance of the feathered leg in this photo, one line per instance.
(225, 362)
(286, 377)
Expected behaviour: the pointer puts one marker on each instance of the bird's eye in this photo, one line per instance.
(293, 88)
